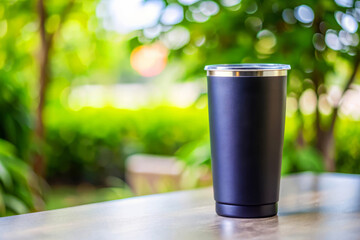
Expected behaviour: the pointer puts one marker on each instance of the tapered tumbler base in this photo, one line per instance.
(246, 211)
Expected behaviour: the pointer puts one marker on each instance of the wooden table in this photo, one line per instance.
(325, 206)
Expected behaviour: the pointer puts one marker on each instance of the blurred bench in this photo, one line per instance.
(148, 174)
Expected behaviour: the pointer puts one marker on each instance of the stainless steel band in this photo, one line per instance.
(247, 73)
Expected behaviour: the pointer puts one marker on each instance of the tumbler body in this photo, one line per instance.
(247, 115)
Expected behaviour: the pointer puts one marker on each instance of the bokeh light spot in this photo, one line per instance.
(324, 105)
(338, 16)
(307, 102)
(200, 41)
(125, 16)
(348, 39)
(149, 60)
(3, 28)
(176, 38)
(230, 3)
(304, 14)
(252, 8)
(332, 40)
(319, 42)
(266, 43)
(349, 23)
(254, 23)
(173, 14)
(288, 16)
(345, 3)
(152, 32)
(197, 15)
(188, 2)
(209, 8)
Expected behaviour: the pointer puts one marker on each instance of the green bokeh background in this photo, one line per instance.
(85, 149)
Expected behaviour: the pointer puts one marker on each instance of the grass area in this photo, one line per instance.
(61, 196)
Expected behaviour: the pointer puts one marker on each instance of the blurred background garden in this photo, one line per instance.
(106, 99)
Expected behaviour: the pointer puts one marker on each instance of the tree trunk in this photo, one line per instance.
(46, 41)
(325, 141)
(326, 145)
(39, 159)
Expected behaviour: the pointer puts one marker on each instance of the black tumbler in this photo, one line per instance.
(247, 116)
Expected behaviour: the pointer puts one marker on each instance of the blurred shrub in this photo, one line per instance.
(298, 157)
(92, 144)
(67, 196)
(347, 143)
(196, 153)
(295, 157)
(15, 119)
(19, 192)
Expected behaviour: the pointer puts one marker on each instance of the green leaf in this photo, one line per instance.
(4, 174)
(6, 148)
(15, 204)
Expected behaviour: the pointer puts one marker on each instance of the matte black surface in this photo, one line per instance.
(247, 117)
(256, 211)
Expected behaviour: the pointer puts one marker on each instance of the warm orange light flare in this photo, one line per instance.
(149, 60)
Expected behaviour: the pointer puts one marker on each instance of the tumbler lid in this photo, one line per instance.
(247, 69)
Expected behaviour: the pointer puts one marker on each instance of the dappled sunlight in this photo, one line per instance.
(173, 14)
(176, 38)
(133, 96)
(126, 16)
(266, 43)
(351, 104)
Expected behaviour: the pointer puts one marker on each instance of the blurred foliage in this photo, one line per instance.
(196, 153)
(15, 119)
(347, 150)
(319, 39)
(295, 157)
(255, 31)
(67, 195)
(91, 144)
(19, 186)
(14, 106)
(19, 189)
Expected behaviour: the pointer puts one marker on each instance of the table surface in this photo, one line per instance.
(325, 206)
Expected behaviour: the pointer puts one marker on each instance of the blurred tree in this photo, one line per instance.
(319, 39)
(14, 112)
(46, 42)
(74, 50)
(19, 186)
(16, 68)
